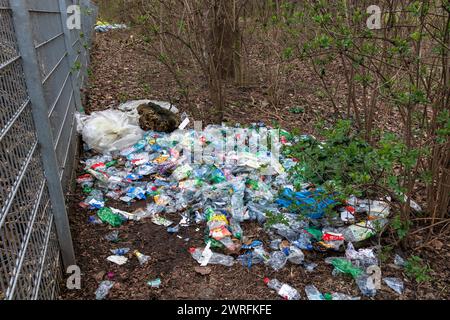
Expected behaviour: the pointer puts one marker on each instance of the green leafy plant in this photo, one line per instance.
(297, 110)
(400, 226)
(275, 218)
(416, 268)
(385, 253)
(76, 66)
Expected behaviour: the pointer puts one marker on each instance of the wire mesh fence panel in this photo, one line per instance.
(30, 242)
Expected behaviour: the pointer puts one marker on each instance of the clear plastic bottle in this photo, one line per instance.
(95, 200)
(103, 289)
(366, 286)
(261, 254)
(277, 260)
(216, 258)
(143, 259)
(343, 296)
(236, 228)
(303, 242)
(395, 284)
(283, 289)
(313, 293)
(296, 255)
(120, 251)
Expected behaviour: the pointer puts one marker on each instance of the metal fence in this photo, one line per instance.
(43, 65)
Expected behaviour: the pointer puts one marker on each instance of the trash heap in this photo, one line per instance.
(221, 191)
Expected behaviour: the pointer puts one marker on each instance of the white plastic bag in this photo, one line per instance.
(109, 130)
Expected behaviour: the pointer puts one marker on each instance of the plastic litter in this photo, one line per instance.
(363, 230)
(312, 293)
(363, 257)
(103, 27)
(345, 266)
(156, 283)
(277, 260)
(94, 200)
(109, 130)
(343, 296)
(222, 192)
(311, 202)
(206, 256)
(366, 285)
(103, 289)
(161, 221)
(113, 236)
(309, 266)
(399, 261)
(119, 260)
(283, 289)
(94, 220)
(395, 284)
(107, 216)
(295, 256)
(142, 258)
(120, 251)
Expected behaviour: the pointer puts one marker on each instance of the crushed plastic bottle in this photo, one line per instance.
(345, 266)
(143, 259)
(296, 255)
(94, 220)
(103, 289)
(399, 261)
(284, 290)
(309, 266)
(214, 258)
(303, 242)
(156, 283)
(94, 200)
(312, 293)
(395, 284)
(343, 296)
(277, 260)
(113, 236)
(363, 257)
(366, 285)
(275, 244)
(120, 251)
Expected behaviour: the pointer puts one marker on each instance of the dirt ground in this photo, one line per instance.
(120, 72)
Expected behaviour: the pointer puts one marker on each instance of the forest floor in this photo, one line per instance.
(121, 71)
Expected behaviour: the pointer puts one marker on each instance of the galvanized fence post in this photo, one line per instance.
(23, 29)
(87, 8)
(71, 54)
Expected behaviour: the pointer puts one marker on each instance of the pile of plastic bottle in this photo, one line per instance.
(223, 190)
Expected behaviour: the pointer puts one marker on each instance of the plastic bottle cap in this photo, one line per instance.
(191, 250)
(350, 209)
(266, 280)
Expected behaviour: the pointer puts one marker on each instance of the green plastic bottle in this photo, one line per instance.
(345, 266)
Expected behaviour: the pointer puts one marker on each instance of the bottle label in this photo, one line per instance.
(206, 255)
